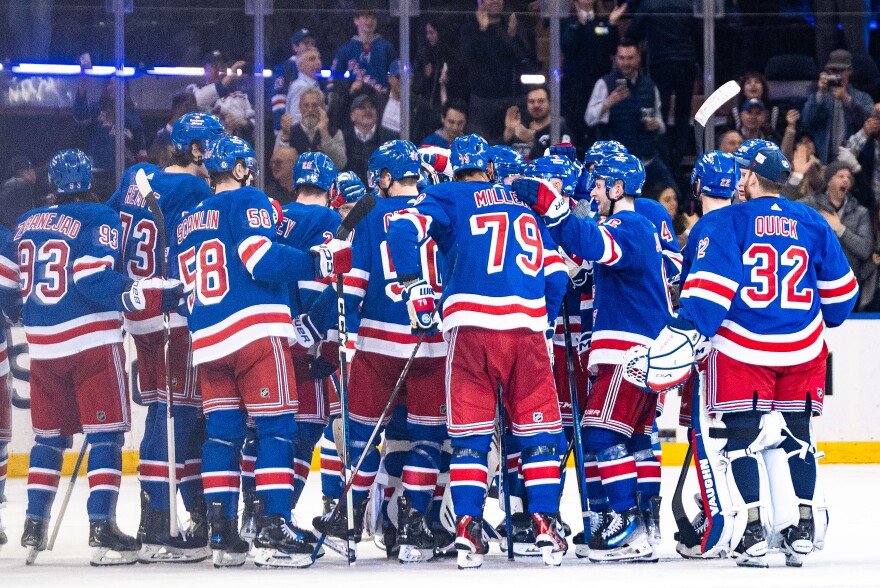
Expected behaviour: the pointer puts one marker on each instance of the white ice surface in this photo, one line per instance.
(850, 558)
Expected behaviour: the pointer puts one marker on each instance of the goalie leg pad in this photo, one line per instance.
(800, 448)
(422, 464)
(469, 474)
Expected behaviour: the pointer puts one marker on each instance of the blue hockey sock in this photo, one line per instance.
(440, 488)
(189, 431)
(307, 436)
(273, 473)
(422, 463)
(647, 467)
(221, 458)
(105, 474)
(44, 473)
(360, 433)
(248, 459)
(595, 492)
(331, 464)
(617, 468)
(540, 466)
(468, 473)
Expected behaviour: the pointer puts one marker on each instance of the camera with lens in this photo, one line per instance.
(834, 80)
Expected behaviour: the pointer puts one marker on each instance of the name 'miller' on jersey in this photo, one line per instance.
(235, 274)
(507, 274)
(175, 193)
(763, 278)
(62, 259)
(631, 302)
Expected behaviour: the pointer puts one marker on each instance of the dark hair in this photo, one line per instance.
(453, 105)
(801, 135)
(309, 190)
(765, 92)
(627, 42)
(541, 87)
(185, 158)
(769, 185)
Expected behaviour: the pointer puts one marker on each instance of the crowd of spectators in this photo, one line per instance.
(630, 72)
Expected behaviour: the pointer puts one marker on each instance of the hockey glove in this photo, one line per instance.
(306, 334)
(672, 354)
(351, 189)
(543, 198)
(333, 257)
(438, 161)
(152, 294)
(277, 212)
(566, 150)
(579, 270)
(421, 306)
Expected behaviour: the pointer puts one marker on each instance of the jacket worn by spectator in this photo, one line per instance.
(494, 58)
(866, 150)
(818, 117)
(302, 141)
(372, 58)
(16, 198)
(101, 128)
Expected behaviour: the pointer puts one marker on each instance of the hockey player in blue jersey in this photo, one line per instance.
(63, 258)
(10, 302)
(763, 294)
(507, 162)
(506, 281)
(631, 305)
(178, 188)
(236, 275)
(384, 343)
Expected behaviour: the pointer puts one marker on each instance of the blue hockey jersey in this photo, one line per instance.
(8, 292)
(631, 303)
(235, 274)
(507, 274)
(175, 193)
(764, 278)
(63, 261)
(659, 217)
(305, 226)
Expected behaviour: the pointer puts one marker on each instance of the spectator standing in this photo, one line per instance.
(453, 119)
(313, 132)
(671, 31)
(281, 165)
(363, 136)
(309, 64)
(17, 193)
(625, 106)
(753, 86)
(835, 110)
(286, 72)
(849, 220)
(219, 80)
(865, 149)
(730, 141)
(588, 44)
(530, 137)
(755, 121)
(161, 148)
(390, 122)
(851, 16)
(366, 56)
(495, 49)
(438, 74)
(807, 172)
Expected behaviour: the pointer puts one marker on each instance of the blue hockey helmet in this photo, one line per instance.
(624, 167)
(196, 126)
(71, 171)
(223, 154)
(507, 162)
(349, 189)
(718, 173)
(554, 166)
(314, 168)
(745, 153)
(601, 149)
(401, 159)
(469, 152)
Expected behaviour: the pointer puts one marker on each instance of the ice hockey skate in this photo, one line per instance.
(797, 540)
(279, 545)
(621, 538)
(415, 541)
(523, 532)
(550, 538)
(470, 542)
(227, 547)
(110, 546)
(753, 546)
(581, 543)
(35, 538)
(157, 544)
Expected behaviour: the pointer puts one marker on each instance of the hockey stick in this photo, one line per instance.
(73, 477)
(147, 193)
(686, 533)
(502, 473)
(577, 442)
(708, 109)
(357, 214)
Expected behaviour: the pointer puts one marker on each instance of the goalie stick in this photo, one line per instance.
(356, 215)
(726, 92)
(146, 191)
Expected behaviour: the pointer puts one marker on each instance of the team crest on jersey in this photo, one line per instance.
(443, 409)
(264, 393)
(819, 392)
(102, 416)
(538, 417)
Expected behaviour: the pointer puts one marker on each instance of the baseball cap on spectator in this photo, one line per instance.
(299, 35)
(771, 164)
(832, 168)
(750, 103)
(839, 59)
(394, 68)
(215, 56)
(361, 99)
(18, 164)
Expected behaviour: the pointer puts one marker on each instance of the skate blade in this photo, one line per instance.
(582, 550)
(32, 553)
(104, 556)
(150, 554)
(794, 560)
(521, 550)
(224, 559)
(413, 554)
(272, 558)
(551, 557)
(340, 546)
(745, 561)
(627, 553)
(469, 561)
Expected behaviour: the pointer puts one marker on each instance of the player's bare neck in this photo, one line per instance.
(312, 200)
(180, 169)
(226, 186)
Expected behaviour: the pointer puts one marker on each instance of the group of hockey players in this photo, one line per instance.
(498, 316)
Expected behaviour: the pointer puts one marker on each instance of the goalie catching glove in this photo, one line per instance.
(152, 294)
(421, 305)
(543, 198)
(333, 257)
(667, 363)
